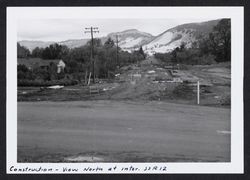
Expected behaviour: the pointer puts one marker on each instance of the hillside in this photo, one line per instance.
(172, 38)
(132, 39)
(73, 43)
(33, 44)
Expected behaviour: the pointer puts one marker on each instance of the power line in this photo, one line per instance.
(92, 30)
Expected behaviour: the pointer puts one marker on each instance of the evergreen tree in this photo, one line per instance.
(109, 43)
(22, 52)
(142, 52)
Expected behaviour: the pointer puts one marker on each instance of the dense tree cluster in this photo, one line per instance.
(78, 62)
(218, 42)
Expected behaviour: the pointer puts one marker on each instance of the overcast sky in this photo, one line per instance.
(64, 29)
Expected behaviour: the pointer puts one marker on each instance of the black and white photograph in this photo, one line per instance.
(125, 89)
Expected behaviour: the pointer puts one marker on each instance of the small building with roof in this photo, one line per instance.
(32, 63)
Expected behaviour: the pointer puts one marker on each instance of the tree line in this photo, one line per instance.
(78, 61)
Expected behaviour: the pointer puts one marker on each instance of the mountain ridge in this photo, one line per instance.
(132, 39)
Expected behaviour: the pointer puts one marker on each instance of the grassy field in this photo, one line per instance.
(113, 131)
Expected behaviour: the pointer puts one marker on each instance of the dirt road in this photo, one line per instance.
(122, 131)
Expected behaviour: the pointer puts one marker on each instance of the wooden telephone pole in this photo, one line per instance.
(92, 30)
(117, 49)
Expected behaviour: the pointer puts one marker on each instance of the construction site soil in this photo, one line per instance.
(149, 80)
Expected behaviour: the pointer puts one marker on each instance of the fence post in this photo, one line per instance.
(198, 92)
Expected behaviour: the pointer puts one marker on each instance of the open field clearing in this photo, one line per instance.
(124, 131)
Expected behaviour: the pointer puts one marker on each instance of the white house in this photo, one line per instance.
(60, 66)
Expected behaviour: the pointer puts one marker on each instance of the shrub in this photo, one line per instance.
(24, 73)
(183, 91)
(226, 100)
(207, 59)
(183, 67)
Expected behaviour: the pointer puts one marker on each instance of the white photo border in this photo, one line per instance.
(237, 130)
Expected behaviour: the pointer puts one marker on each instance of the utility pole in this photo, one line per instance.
(117, 41)
(198, 92)
(92, 30)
